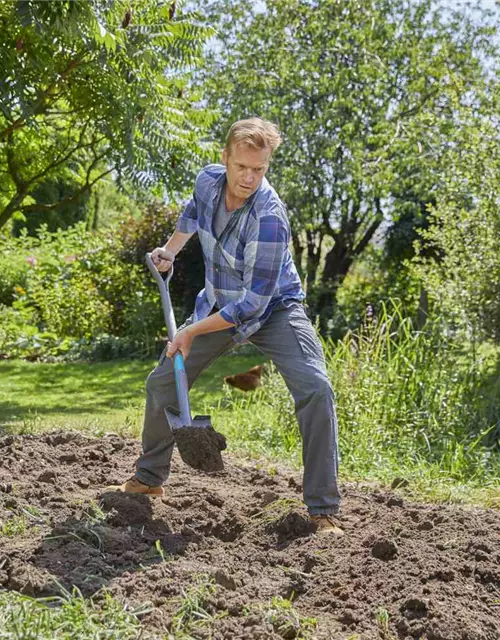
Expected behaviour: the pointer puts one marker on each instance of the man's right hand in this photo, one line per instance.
(163, 258)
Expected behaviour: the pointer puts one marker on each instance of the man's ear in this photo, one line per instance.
(224, 157)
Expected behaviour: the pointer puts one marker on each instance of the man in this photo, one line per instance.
(252, 292)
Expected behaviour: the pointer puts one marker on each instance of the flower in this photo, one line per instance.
(31, 260)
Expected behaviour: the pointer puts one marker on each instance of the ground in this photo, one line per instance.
(238, 544)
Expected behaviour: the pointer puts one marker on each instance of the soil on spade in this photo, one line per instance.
(435, 569)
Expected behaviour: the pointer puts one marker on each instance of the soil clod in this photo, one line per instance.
(200, 447)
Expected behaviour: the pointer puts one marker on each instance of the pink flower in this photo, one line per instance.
(31, 260)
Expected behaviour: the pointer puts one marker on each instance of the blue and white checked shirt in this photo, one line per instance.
(249, 270)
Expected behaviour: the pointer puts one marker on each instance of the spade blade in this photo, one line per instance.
(199, 444)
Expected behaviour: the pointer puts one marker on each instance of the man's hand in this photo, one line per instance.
(162, 258)
(182, 342)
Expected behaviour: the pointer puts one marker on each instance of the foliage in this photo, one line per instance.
(90, 87)
(365, 93)
(151, 230)
(79, 293)
(462, 272)
(287, 621)
(415, 394)
(70, 616)
(103, 207)
(372, 282)
(64, 216)
(194, 611)
(77, 297)
(410, 403)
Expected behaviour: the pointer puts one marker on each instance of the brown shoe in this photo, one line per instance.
(133, 485)
(325, 524)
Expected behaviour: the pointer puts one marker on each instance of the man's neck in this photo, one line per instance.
(232, 202)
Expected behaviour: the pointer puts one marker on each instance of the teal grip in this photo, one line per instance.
(181, 383)
(179, 362)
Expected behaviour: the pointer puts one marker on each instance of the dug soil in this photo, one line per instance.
(403, 570)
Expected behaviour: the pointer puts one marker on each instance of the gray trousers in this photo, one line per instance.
(289, 340)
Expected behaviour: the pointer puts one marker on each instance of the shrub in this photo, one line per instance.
(152, 230)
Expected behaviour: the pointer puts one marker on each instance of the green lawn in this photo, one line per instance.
(96, 397)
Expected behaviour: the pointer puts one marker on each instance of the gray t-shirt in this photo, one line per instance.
(222, 216)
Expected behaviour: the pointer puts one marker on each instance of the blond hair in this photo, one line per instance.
(256, 133)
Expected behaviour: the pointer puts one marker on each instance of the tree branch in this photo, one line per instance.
(42, 103)
(75, 197)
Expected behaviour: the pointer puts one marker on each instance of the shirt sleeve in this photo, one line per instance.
(188, 221)
(263, 258)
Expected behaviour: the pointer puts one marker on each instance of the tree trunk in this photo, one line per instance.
(11, 208)
(298, 250)
(337, 264)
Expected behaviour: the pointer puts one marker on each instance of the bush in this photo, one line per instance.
(152, 230)
(75, 293)
(370, 284)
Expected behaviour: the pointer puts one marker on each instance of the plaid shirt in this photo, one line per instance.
(248, 270)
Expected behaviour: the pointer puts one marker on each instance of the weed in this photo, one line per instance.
(194, 609)
(94, 514)
(68, 616)
(166, 557)
(382, 619)
(287, 621)
(277, 510)
(14, 526)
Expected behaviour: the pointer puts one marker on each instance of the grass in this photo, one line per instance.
(287, 621)
(193, 611)
(95, 397)
(69, 616)
(14, 526)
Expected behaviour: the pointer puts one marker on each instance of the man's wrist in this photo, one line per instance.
(170, 252)
(190, 330)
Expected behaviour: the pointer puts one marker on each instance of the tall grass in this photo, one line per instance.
(410, 403)
(411, 397)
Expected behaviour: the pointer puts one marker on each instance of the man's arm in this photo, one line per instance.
(163, 257)
(184, 338)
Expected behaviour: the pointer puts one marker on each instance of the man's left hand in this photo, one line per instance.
(182, 342)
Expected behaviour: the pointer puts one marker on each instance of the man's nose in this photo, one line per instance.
(249, 177)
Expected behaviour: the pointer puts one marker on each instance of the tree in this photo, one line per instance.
(365, 94)
(93, 87)
(462, 275)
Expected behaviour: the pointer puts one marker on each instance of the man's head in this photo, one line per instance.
(249, 146)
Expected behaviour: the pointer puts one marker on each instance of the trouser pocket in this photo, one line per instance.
(306, 335)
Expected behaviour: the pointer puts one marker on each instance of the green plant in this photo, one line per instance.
(194, 609)
(409, 393)
(363, 92)
(287, 621)
(150, 230)
(112, 96)
(166, 557)
(68, 616)
(277, 510)
(14, 526)
(94, 513)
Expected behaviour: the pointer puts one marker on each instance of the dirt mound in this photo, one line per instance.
(403, 570)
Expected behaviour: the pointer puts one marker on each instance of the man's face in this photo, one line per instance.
(245, 169)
